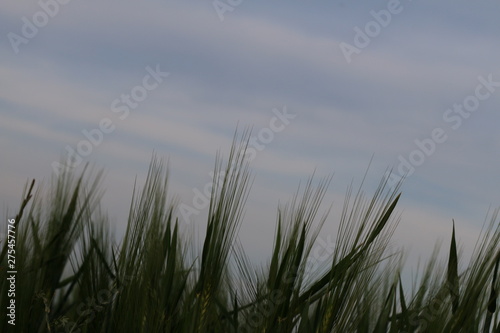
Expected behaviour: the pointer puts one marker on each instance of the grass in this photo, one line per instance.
(72, 276)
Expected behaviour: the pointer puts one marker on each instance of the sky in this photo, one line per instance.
(330, 88)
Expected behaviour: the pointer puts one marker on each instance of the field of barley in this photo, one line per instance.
(73, 276)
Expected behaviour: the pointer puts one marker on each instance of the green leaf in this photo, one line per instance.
(453, 282)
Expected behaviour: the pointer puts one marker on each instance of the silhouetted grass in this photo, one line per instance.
(73, 276)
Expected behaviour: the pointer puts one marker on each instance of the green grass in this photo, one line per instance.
(72, 275)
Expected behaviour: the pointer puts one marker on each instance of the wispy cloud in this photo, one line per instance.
(261, 57)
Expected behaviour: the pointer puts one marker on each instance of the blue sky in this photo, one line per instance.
(67, 67)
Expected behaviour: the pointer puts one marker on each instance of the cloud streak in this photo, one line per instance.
(261, 57)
